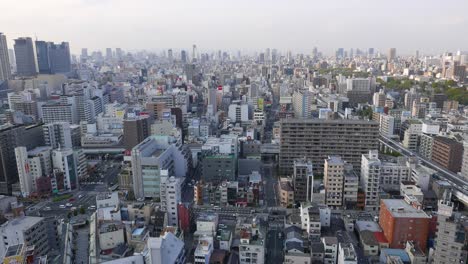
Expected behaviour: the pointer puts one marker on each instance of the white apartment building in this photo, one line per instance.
(171, 196)
(370, 173)
(164, 249)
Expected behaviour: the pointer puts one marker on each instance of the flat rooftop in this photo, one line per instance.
(401, 209)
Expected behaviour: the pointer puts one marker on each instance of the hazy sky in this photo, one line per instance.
(298, 25)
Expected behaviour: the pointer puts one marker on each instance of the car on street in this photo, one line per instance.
(62, 206)
(47, 208)
(69, 205)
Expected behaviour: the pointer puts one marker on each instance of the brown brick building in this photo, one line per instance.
(447, 153)
(403, 222)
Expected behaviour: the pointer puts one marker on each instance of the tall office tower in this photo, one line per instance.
(5, 70)
(351, 53)
(416, 55)
(391, 54)
(274, 56)
(60, 60)
(108, 53)
(135, 129)
(302, 103)
(370, 53)
(43, 58)
(57, 135)
(194, 53)
(314, 52)
(11, 56)
(333, 179)
(447, 153)
(118, 53)
(451, 241)
(370, 173)
(84, 53)
(303, 180)
(316, 139)
(170, 56)
(379, 99)
(340, 53)
(183, 56)
(26, 57)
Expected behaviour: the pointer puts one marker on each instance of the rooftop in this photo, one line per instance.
(401, 209)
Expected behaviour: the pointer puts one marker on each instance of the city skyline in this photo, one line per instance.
(241, 25)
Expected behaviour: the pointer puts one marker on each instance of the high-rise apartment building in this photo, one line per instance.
(5, 70)
(303, 180)
(316, 139)
(370, 174)
(333, 179)
(57, 112)
(302, 104)
(451, 242)
(26, 57)
(57, 135)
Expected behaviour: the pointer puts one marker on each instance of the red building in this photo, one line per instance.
(402, 221)
(184, 217)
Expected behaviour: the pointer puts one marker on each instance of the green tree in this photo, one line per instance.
(82, 210)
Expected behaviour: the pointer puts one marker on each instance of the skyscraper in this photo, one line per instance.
(26, 57)
(59, 55)
(183, 56)
(194, 53)
(5, 71)
(391, 54)
(170, 56)
(43, 61)
(84, 53)
(108, 53)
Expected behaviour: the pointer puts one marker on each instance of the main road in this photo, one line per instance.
(458, 183)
